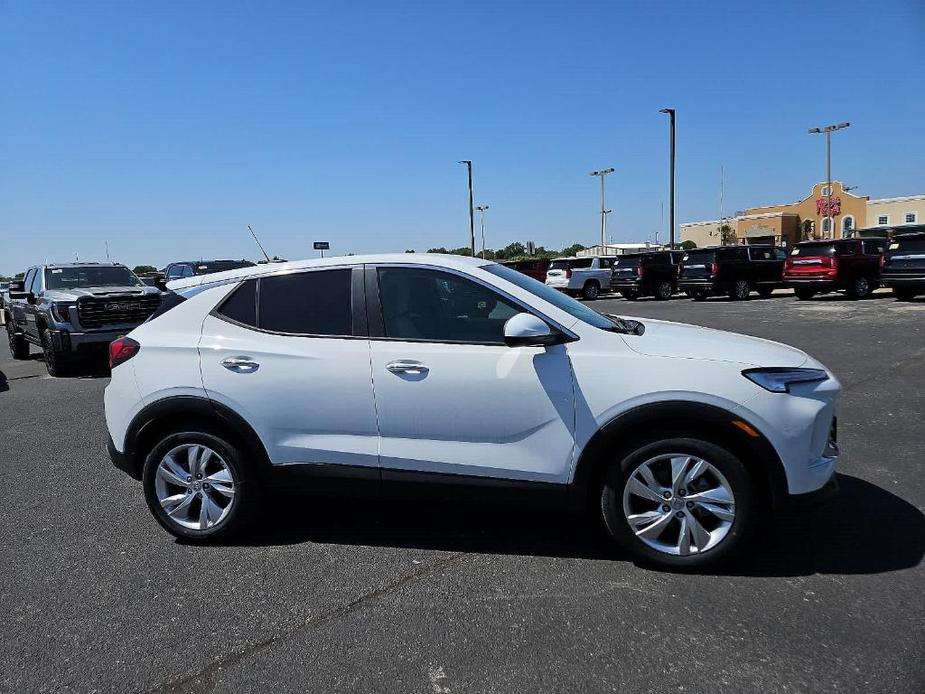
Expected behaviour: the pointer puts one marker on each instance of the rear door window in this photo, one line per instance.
(241, 306)
(579, 263)
(306, 303)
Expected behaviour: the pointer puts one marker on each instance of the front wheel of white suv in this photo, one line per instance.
(679, 503)
(198, 486)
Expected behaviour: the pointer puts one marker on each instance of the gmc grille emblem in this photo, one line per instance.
(118, 306)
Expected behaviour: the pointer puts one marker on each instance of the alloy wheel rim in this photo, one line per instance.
(678, 504)
(195, 487)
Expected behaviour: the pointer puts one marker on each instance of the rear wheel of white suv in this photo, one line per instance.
(679, 503)
(198, 486)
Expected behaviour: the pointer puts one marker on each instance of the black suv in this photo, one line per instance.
(191, 268)
(903, 266)
(735, 271)
(653, 273)
(849, 265)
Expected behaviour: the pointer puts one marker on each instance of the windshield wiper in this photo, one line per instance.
(624, 325)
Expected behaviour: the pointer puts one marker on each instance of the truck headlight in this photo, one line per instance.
(779, 379)
(61, 310)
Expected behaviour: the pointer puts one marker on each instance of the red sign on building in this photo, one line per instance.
(823, 209)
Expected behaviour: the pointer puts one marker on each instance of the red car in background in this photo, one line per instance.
(533, 268)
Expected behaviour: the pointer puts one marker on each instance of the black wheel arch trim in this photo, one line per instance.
(689, 419)
(185, 407)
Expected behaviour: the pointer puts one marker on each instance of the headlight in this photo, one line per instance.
(62, 309)
(779, 379)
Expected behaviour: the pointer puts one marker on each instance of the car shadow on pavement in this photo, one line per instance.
(4, 386)
(864, 530)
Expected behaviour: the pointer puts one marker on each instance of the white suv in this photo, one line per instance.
(586, 277)
(391, 372)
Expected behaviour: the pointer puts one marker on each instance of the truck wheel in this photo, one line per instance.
(19, 348)
(679, 503)
(590, 291)
(663, 291)
(859, 288)
(56, 362)
(903, 294)
(740, 291)
(804, 294)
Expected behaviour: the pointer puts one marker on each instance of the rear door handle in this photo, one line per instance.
(241, 365)
(406, 366)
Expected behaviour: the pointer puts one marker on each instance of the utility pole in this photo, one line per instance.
(468, 163)
(827, 131)
(107, 252)
(481, 209)
(601, 173)
(722, 195)
(671, 114)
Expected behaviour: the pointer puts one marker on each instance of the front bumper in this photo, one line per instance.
(821, 495)
(65, 341)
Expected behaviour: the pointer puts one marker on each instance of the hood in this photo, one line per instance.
(77, 292)
(682, 341)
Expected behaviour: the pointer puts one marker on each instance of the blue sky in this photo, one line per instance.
(166, 127)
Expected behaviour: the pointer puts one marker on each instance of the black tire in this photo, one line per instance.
(736, 474)
(19, 347)
(804, 294)
(56, 362)
(860, 288)
(246, 489)
(590, 291)
(903, 294)
(630, 295)
(663, 291)
(765, 292)
(740, 290)
(699, 295)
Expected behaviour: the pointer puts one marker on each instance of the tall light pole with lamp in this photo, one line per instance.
(671, 115)
(468, 163)
(827, 131)
(481, 209)
(601, 173)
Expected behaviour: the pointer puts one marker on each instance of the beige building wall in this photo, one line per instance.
(704, 233)
(895, 210)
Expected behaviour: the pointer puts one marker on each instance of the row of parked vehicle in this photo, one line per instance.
(855, 266)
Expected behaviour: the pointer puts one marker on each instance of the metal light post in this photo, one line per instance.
(671, 115)
(828, 130)
(468, 164)
(601, 173)
(481, 209)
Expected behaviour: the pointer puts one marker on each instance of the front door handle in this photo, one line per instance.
(241, 365)
(407, 366)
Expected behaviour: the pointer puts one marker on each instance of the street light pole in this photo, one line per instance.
(828, 130)
(481, 209)
(601, 173)
(468, 164)
(671, 115)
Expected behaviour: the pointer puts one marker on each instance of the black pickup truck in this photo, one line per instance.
(652, 273)
(735, 271)
(75, 308)
(903, 267)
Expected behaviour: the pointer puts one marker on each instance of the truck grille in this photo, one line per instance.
(96, 312)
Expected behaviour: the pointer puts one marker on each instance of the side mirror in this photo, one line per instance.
(28, 296)
(17, 286)
(526, 330)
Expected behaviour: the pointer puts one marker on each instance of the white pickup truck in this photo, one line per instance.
(586, 277)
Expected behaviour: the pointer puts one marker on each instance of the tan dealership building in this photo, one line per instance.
(811, 218)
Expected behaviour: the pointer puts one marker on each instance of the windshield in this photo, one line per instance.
(553, 296)
(825, 249)
(90, 276)
(701, 256)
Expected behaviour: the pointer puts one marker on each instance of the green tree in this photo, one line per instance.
(19, 275)
(573, 249)
(144, 269)
(727, 235)
(688, 245)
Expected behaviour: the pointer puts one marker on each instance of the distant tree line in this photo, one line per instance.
(513, 251)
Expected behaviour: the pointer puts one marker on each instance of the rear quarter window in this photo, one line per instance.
(241, 304)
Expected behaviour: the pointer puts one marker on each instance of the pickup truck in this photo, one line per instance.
(586, 277)
(74, 308)
(903, 266)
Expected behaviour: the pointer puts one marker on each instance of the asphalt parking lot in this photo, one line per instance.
(328, 596)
